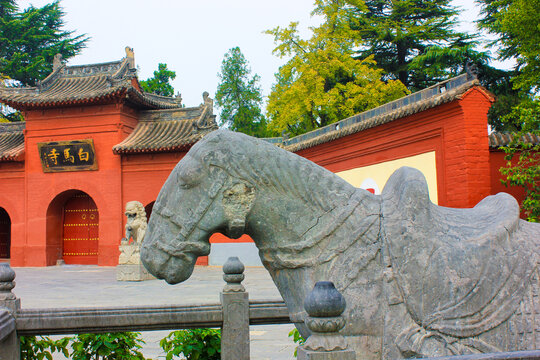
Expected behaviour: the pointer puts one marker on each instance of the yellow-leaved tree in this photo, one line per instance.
(322, 82)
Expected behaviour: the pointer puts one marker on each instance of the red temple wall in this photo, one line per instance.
(456, 131)
(143, 175)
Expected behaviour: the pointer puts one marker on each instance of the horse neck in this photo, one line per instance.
(347, 236)
(291, 233)
(283, 217)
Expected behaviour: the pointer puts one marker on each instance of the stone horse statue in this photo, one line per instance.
(419, 279)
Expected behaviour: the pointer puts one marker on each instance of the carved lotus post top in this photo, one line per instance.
(233, 274)
(7, 275)
(324, 300)
(324, 305)
(233, 265)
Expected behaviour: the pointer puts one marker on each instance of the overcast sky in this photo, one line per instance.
(191, 37)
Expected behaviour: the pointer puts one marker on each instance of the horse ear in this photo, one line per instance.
(237, 203)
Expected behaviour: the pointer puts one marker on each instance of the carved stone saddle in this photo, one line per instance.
(461, 272)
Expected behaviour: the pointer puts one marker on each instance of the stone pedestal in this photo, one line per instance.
(129, 266)
(304, 354)
(132, 272)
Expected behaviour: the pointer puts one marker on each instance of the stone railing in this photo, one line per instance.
(233, 315)
(324, 306)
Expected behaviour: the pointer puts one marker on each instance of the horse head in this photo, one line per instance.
(197, 200)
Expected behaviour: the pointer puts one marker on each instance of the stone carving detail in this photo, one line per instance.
(57, 61)
(419, 279)
(233, 274)
(136, 222)
(129, 263)
(324, 305)
(7, 283)
(7, 275)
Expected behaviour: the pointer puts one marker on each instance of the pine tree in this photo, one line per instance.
(239, 96)
(414, 41)
(30, 39)
(160, 83)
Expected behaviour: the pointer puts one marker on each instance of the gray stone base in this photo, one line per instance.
(304, 354)
(132, 272)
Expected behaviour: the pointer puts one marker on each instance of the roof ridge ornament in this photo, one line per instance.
(57, 61)
(130, 56)
(58, 65)
(178, 97)
(471, 69)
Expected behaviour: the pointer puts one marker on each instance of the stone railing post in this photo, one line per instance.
(235, 304)
(9, 305)
(324, 305)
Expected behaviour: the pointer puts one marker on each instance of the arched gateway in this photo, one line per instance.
(72, 229)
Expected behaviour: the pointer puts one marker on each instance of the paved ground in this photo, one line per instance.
(88, 286)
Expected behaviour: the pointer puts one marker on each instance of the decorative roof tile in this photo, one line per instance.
(435, 95)
(169, 130)
(498, 139)
(12, 141)
(87, 84)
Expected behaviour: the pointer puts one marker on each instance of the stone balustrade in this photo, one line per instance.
(324, 306)
(234, 315)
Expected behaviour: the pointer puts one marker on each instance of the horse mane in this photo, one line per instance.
(269, 168)
(266, 166)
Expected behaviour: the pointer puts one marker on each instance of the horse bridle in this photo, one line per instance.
(197, 248)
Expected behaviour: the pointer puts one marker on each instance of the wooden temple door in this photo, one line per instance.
(81, 230)
(5, 234)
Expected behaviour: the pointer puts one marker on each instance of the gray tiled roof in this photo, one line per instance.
(498, 139)
(12, 141)
(168, 130)
(86, 84)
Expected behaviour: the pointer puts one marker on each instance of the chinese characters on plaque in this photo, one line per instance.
(74, 155)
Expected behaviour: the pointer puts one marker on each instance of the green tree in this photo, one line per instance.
(30, 39)
(239, 96)
(322, 82)
(523, 166)
(414, 41)
(159, 84)
(516, 25)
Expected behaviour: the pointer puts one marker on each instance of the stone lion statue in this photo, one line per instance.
(136, 222)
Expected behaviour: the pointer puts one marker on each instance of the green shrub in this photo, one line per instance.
(34, 347)
(196, 344)
(107, 346)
